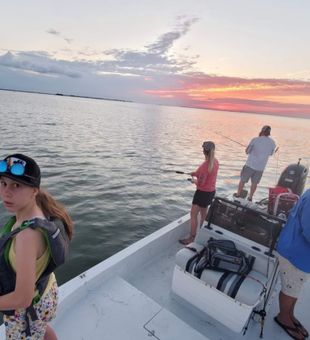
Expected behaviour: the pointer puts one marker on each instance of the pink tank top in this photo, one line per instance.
(206, 181)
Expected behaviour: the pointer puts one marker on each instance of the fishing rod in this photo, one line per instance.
(183, 173)
(191, 179)
(186, 173)
(220, 134)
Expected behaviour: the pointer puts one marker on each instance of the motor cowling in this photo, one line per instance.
(294, 177)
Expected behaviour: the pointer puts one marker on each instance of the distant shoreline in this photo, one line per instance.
(130, 101)
(67, 95)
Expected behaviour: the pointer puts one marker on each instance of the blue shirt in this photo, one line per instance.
(294, 240)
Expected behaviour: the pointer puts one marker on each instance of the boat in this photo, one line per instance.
(130, 296)
(148, 290)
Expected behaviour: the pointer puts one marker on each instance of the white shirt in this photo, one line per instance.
(259, 149)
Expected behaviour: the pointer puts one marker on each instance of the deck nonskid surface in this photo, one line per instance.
(117, 310)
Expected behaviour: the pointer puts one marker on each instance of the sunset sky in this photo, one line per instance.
(250, 56)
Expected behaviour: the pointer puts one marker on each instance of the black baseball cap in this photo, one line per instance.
(31, 175)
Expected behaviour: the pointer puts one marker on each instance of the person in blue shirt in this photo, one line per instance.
(294, 264)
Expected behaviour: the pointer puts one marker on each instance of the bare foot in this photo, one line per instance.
(188, 240)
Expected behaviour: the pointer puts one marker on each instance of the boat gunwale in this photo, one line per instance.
(123, 261)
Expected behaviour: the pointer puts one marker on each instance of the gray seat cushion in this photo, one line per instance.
(188, 253)
(250, 289)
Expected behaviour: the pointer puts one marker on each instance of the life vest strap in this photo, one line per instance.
(30, 312)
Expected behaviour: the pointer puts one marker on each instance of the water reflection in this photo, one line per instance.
(113, 164)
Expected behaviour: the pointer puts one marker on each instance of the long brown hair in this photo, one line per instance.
(51, 207)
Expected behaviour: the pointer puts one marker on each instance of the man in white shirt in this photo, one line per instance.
(258, 151)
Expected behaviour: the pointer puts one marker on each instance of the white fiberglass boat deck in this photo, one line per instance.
(129, 296)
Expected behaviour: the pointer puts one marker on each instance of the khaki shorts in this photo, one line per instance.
(247, 173)
(292, 279)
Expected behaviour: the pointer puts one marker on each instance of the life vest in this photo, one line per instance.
(57, 241)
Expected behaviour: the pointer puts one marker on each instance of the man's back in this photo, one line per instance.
(259, 149)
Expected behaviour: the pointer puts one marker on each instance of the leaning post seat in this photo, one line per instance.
(187, 257)
(216, 293)
(250, 290)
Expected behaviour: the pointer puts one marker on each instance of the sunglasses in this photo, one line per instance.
(17, 168)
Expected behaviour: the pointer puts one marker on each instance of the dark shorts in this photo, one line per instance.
(203, 198)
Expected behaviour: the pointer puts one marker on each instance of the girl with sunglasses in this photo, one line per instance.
(205, 180)
(28, 288)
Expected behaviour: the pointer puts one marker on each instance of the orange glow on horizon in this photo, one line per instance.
(270, 96)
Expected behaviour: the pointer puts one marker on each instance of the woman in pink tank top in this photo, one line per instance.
(205, 179)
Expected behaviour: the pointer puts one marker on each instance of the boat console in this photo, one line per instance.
(230, 298)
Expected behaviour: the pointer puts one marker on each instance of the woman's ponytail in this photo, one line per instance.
(208, 150)
(50, 207)
(210, 160)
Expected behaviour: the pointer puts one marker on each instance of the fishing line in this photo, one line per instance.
(220, 134)
(277, 167)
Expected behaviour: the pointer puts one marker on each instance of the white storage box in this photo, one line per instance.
(203, 293)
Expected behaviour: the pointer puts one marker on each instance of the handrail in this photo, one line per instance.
(240, 213)
(277, 219)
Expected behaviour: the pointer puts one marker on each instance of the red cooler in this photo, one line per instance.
(273, 193)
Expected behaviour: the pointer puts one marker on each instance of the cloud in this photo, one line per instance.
(69, 40)
(154, 58)
(152, 74)
(282, 96)
(40, 63)
(53, 32)
(166, 41)
(260, 106)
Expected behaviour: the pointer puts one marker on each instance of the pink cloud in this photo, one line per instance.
(270, 96)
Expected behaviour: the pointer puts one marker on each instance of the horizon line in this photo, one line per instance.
(301, 116)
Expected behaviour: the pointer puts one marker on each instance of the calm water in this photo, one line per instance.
(113, 164)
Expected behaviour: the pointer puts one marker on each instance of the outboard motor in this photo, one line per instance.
(294, 177)
(290, 186)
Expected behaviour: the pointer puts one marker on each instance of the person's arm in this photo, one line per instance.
(194, 173)
(249, 147)
(202, 174)
(273, 148)
(27, 246)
